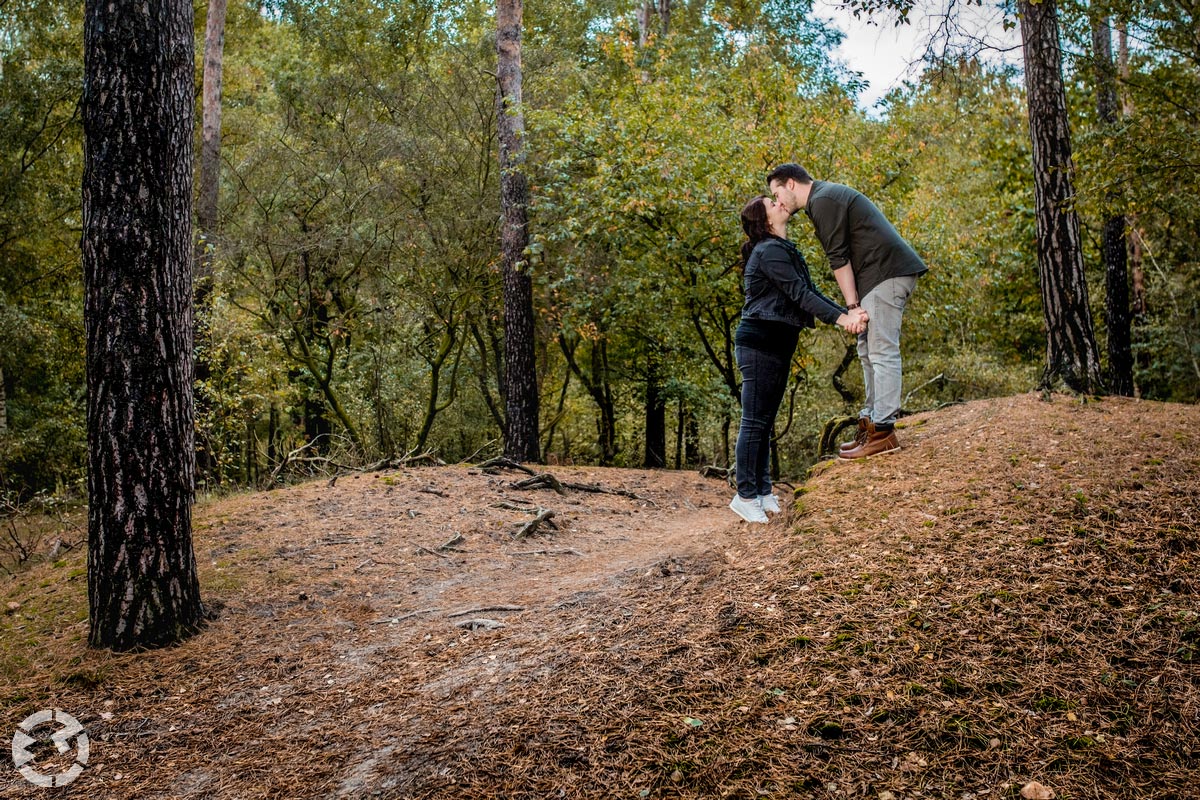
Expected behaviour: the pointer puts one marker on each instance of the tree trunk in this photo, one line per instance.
(138, 115)
(1116, 272)
(656, 413)
(210, 147)
(206, 219)
(1071, 352)
(520, 375)
(1136, 268)
(3, 406)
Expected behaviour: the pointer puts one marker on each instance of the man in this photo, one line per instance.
(877, 271)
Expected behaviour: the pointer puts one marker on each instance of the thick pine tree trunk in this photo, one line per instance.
(520, 376)
(1071, 352)
(137, 256)
(1116, 269)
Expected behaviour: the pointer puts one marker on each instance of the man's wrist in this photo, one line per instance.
(852, 306)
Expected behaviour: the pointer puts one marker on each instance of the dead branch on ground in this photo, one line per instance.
(410, 615)
(529, 528)
(479, 624)
(483, 610)
(453, 543)
(544, 480)
(494, 465)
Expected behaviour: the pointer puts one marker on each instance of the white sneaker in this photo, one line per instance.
(769, 503)
(749, 510)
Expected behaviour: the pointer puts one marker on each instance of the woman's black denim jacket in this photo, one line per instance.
(779, 288)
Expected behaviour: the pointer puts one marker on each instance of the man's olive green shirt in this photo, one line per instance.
(852, 230)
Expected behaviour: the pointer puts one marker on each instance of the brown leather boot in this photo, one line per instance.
(860, 437)
(878, 441)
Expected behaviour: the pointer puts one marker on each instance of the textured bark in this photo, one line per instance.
(137, 199)
(1116, 268)
(520, 375)
(1071, 353)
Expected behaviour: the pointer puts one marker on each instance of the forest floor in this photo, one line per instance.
(1005, 608)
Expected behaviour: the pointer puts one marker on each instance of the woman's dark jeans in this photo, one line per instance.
(764, 380)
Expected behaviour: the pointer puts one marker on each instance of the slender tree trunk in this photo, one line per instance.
(1133, 232)
(520, 375)
(210, 146)
(1071, 352)
(679, 421)
(3, 406)
(138, 116)
(1116, 272)
(656, 413)
(206, 221)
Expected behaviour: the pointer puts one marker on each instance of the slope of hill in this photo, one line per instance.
(1010, 599)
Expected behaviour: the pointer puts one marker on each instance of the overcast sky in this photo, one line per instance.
(887, 54)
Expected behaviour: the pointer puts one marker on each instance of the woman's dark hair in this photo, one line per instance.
(754, 223)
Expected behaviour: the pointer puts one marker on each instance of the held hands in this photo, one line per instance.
(855, 321)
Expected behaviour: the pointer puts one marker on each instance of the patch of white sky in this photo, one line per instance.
(887, 55)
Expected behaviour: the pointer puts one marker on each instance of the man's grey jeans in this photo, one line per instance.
(879, 348)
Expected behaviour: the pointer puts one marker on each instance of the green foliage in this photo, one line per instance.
(41, 327)
(357, 296)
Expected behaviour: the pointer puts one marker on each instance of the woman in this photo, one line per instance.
(780, 300)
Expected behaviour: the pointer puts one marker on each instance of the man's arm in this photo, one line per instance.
(845, 282)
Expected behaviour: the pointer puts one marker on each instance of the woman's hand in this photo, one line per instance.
(855, 321)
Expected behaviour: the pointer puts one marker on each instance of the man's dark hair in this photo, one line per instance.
(786, 172)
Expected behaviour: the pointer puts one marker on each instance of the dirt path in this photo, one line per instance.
(340, 642)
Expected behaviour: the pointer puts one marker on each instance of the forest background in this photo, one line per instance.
(354, 272)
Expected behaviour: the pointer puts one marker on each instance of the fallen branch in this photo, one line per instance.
(406, 460)
(545, 480)
(507, 506)
(713, 471)
(597, 489)
(569, 551)
(479, 624)
(494, 465)
(542, 480)
(431, 552)
(529, 528)
(454, 542)
(431, 490)
(410, 615)
(484, 610)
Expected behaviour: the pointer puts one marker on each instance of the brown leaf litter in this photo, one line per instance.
(1008, 602)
